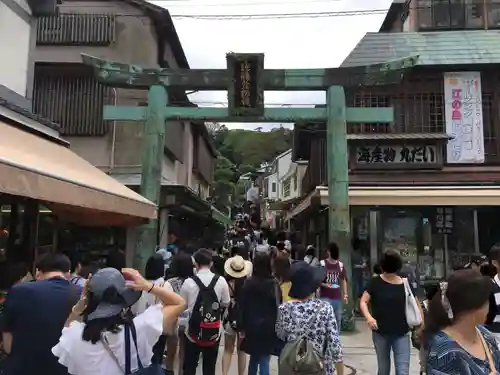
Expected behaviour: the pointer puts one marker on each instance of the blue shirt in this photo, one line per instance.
(35, 313)
(446, 357)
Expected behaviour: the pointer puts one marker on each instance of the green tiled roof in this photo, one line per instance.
(433, 48)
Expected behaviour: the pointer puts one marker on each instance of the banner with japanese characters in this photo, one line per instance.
(464, 117)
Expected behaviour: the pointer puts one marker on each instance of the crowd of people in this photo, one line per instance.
(261, 295)
(114, 321)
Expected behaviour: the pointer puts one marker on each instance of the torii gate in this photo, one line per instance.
(245, 79)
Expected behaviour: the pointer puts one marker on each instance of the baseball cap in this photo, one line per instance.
(109, 288)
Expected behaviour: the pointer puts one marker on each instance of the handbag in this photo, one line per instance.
(153, 369)
(412, 312)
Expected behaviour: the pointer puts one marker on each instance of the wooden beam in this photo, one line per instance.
(123, 75)
(291, 115)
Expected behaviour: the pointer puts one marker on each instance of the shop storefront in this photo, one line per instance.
(435, 228)
(45, 187)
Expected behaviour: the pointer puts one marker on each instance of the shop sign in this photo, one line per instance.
(245, 91)
(444, 220)
(401, 156)
(464, 117)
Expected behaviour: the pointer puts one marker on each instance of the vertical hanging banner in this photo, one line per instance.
(464, 117)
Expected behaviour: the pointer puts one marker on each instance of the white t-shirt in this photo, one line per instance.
(84, 358)
(189, 290)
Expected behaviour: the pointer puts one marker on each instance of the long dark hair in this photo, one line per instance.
(262, 266)
(94, 329)
(282, 268)
(181, 266)
(466, 290)
(155, 267)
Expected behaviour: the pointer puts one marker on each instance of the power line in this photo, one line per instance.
(324, 14)
(185, 3)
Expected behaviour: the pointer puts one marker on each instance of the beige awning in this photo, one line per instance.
(420, 196)
(409, 196)
(34, 167)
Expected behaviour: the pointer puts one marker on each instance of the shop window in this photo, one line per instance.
(450, 14)
(493, 14)
(425, 14)
(441, 14)
(474, 15)
(370, 100)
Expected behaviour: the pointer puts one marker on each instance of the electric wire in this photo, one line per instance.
(186, 3)
(323, 14)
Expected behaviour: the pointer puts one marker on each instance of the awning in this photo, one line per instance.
(420, 196)
(409, 196)
(34, 167)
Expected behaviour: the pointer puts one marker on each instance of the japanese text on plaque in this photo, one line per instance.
(245, 77)
(396, 154)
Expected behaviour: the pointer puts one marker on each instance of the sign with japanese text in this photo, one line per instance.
(464, 117)
(411, 155)
(245, 92)
(444, 220)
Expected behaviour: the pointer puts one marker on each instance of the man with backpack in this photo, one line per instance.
(207, 296)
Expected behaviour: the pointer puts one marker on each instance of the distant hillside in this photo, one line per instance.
(241, 151)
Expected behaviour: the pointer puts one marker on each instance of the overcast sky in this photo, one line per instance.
(318, 42)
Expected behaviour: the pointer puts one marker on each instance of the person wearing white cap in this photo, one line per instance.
(236, 269)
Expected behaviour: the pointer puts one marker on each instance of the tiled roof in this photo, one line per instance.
(433, 48)
(24, 112)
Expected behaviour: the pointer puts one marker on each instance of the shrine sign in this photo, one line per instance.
(396, 156)
(245, 91)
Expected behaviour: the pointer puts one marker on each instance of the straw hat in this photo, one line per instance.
(237, 267)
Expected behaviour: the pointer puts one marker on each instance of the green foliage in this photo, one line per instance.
(242, 151)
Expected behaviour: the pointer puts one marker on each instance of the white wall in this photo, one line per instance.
(272, 179)
(15, 45)
(283, 163)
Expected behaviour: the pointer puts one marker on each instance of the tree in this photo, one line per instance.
(241, 151)
(225, 177)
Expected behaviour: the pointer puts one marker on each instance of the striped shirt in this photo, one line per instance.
(493, 319)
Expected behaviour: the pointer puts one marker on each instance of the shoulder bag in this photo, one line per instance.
(412, 312)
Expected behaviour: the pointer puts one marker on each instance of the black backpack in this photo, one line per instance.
(204, 323)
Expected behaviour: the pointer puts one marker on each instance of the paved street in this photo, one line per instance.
(358, 354)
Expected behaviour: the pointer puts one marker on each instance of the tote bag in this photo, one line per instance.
(413, 317)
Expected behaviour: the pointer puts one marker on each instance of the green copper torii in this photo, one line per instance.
(158, 81)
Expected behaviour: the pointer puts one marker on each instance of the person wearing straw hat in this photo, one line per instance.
(236, 269)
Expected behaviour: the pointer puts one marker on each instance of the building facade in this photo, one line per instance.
(428, 183)
(136, 32)
(43, 181)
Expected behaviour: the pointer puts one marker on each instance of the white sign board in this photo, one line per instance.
(464, 117)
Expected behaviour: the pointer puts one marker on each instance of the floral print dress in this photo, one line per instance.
(315, 320)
